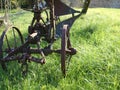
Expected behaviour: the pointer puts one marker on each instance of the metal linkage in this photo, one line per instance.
(41, 29)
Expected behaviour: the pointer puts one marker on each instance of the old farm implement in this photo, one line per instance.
(14, 48)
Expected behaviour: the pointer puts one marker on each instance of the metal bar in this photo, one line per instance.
(41, 61)
(52, 18)
(53, 13)
(8, 59)
(45, 51)
(16, 58)
(18, 50)
(37, 51)
(7, 42)
(41, 52)
(15, 42)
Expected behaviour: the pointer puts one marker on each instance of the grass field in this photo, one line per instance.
(96, 66)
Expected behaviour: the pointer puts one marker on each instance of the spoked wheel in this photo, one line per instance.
(9, 41)
(65, 46)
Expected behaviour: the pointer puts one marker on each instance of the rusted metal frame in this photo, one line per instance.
(49, 51)
(37, 51)
(37, 60)
(68, 21)
(41, 52)
(19, 58)
(17, 50)
(11, 56)
(52, 18)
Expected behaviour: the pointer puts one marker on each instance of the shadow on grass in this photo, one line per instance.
(87, 31)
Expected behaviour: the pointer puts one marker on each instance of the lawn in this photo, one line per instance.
(96, 66)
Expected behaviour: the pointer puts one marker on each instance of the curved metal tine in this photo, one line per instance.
(42, 54)
(15, 41)
(7, 42)
(43, 21)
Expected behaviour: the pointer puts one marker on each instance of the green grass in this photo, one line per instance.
(96, 66)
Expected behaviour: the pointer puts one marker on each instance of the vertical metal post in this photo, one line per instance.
(53, 18)
(54, 26)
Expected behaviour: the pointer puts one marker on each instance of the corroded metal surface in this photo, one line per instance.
(42, 29)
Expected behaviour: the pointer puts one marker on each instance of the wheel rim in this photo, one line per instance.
(10, 39)
(65, 45)
(63, 53)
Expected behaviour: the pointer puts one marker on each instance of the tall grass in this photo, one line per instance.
(96, 66)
